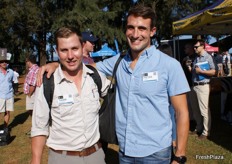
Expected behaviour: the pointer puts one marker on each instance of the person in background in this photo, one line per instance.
(73, 136)
(226, 63)
(6, 89)
(146, 79)
(88, 46)
(196, 120)
(30, 83)
(16, 81)
(218, 60)
(201, 83)
(167, 49)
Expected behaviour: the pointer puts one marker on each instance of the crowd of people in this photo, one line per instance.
(157, 97)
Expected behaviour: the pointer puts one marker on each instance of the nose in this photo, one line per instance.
(70, 54)
(135, 33)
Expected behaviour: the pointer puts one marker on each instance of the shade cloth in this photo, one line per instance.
(214, 20)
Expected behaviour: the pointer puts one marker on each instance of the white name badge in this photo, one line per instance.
(65, 99)
(150, 76)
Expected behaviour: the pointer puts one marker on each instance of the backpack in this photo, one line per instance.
(4, 137)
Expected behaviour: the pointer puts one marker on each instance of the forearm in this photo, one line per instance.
(179, 103)
(182, 123)
(208, 72)
(37, 146)
(31, 90)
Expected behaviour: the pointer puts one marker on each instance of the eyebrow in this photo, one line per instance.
(139, 27)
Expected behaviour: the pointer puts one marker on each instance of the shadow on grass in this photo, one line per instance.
(11, 139)
(19, 119)
(16, 99)
(19, 93)
(221, 131)
(112, 156)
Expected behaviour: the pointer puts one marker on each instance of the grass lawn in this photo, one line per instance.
(219, 145)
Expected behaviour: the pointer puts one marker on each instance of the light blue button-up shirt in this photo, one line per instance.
(6, 89)
(143, 121)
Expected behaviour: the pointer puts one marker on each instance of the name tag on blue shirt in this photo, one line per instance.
(150, 76)
(65, 99)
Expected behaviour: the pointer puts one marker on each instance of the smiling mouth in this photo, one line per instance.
(71, 62)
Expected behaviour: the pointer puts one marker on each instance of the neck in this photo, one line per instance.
(76, 77)
(3, 70)
(73, 75)
(202, 52)
(85, 53)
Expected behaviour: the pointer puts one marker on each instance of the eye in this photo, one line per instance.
(129, 27)
(142, 28)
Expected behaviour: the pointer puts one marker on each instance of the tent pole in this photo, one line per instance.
(174, 46)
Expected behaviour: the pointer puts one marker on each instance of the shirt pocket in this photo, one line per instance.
(93, 94)
(92, 99)
(60, 110)
(153, 87)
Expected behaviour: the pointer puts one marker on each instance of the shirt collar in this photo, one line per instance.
(34, 65)
(62, 78)
(147, 52)
(204, 54)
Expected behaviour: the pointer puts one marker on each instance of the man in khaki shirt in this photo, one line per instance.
(74, 133)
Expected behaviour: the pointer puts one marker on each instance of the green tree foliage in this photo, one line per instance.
(27, 25)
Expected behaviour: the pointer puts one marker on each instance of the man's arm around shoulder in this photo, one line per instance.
(49, 68)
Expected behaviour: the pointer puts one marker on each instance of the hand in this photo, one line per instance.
(49, 68)
(174, 162)
(198, 70)
(188, 63)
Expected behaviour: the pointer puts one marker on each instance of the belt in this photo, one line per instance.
(86, 152)
(200, 83)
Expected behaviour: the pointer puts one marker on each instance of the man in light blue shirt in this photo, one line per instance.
(6, 89)
(146, 79)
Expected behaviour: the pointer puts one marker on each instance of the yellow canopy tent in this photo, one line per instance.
(214, 20)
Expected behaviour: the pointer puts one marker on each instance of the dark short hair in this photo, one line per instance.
(201, 41)
(31, 58)
(65, 32)
(144, 11)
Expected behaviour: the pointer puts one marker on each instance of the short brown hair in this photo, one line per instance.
(65, 32)
(146, 12)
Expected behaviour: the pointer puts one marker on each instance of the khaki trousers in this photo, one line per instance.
(202, 92)
(97, 157)
(194, 110)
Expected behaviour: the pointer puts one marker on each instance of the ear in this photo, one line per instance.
(153, 31)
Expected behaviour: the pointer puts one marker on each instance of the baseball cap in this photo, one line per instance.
(88, 36)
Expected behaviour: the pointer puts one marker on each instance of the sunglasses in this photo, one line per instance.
(3, 61)
(197, 46)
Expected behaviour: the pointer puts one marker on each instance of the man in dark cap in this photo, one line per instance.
(88, 46)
